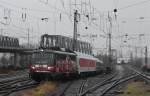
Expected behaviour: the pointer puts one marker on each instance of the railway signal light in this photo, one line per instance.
(115, 10)
(86, 27)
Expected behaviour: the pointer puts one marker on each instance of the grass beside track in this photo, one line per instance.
(136, 89)
(42, 89)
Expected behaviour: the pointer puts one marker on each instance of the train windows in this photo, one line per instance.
(43, 58)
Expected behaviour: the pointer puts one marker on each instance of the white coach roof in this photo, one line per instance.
(82, 55)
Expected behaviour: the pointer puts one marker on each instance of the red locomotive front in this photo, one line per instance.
(51, 64)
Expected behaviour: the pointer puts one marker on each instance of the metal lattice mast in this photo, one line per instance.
(75, 31)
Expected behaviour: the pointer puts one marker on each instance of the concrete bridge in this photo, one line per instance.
(11, 45)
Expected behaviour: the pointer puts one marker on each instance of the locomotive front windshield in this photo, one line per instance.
(43, 58)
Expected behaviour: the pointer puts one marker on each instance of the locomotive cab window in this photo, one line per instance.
(43, 58)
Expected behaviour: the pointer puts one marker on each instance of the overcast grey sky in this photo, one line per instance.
(128, 19)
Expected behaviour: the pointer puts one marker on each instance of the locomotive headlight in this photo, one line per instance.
(49, 68)
(33, 67)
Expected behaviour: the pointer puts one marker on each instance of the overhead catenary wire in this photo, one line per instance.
(21, 11)
(20, 29)
(38, 10)
(116, 3)
(92, 22)
(54, 7)
(84, 14)
(133, 5)
(58, 9)
(20, 7)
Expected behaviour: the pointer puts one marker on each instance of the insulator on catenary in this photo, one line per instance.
(60, 16)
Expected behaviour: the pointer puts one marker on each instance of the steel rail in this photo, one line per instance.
(19, 86)
(6, 80)
(66, 88)
(81, 87)
(106, 81)
(117, 82)
(8, 84)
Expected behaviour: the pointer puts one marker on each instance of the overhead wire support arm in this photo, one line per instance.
(133, 5)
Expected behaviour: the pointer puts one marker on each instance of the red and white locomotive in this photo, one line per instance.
(51, 63)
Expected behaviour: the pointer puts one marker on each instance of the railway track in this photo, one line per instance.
(144, 75)
(67, 86)
(11, 83)
(7, 88)
(115, 83)
(97, 85)
(81, 88)
(103, 87)
(9, 77)
(75, 88)
(108, 86)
